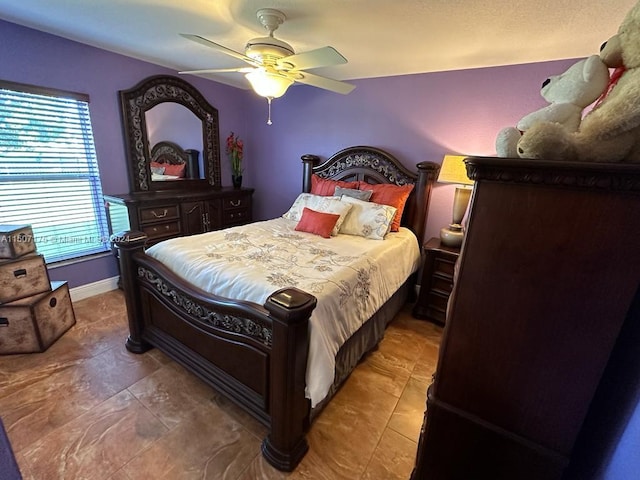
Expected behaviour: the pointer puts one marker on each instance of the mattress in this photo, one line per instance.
(351, 276)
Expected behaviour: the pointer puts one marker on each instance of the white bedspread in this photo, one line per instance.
(350, 276)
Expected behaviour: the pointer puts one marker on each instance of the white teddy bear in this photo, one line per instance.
(568, 95)
(610, 132)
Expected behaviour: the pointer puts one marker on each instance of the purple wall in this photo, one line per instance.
(415, 117)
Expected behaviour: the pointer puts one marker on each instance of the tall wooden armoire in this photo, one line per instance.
(547, 277)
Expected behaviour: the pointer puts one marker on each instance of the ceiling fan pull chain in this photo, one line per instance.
(269, 117)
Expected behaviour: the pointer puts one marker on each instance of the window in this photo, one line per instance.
(48, 171)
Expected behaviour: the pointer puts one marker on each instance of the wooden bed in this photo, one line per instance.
(257, 354)
(172, 154)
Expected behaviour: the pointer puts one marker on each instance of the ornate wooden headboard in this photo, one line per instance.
(173, 154)
(373, 165)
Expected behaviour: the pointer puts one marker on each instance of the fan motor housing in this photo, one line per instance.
(268, 49)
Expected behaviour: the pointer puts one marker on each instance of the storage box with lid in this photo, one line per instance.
(16, 240)
(23, 277)
(32, 324)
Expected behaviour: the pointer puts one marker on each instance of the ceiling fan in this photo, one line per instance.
(274, 65)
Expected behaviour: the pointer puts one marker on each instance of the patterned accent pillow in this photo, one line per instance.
(175, 170)
(157, 170)
(367, 219)
(389, 194)
(318, 203)
(364, 195)
(317, 223)
(326, 187)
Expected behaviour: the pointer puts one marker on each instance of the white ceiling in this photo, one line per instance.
(378, 37)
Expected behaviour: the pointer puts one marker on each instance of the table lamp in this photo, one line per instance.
(453, 170)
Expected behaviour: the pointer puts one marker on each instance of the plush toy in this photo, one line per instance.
(611, 131)
(568, 94)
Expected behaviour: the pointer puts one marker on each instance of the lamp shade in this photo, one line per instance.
(267, 84)
(453, 170)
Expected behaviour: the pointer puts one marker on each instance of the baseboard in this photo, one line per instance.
(95, 288)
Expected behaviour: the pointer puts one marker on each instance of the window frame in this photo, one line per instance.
(77, 244)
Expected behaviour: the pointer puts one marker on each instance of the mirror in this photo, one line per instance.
(174, 125)
(171, 135)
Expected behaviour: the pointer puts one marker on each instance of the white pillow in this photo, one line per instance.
(367, 219)
(308, 200)
(319, 203)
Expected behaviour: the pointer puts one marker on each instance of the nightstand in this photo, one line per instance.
(437, 281)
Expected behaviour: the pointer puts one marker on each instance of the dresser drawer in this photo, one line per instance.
(441, 284)
(154, 214)
(438, 300)
(160, 230)
(240, 202)
(444, 266)
(436, 282)
(235, 217)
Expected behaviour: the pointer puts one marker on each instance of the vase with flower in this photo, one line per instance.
(234, 152)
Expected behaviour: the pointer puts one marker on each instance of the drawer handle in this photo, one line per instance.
(20, 273)
(164, 213)
(4, 322)
(235, 203)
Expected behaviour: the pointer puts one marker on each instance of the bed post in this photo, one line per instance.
(126, 244)
(427, 173)
(286, 444)
(308, 162)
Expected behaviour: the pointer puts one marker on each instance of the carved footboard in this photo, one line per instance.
(255, 354)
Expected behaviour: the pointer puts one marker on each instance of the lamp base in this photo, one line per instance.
(452, 235)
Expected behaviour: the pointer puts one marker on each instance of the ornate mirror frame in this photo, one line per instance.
(145, 95)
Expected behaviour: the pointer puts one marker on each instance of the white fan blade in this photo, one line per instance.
(218, 70)
(320, 57)
(220, 48)
(323, 82)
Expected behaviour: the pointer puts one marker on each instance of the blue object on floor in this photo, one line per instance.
(8, 466)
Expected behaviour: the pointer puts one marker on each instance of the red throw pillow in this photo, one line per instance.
(318, 223)
(389, 194)
(325, 187)
(176, 170)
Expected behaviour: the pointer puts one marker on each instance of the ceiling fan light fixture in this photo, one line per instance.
(269, 85)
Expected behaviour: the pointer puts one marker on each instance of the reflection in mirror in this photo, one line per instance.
(193, 133)
(175, 123)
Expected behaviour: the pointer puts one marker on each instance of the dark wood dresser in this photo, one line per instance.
(547, 278)
(173, 213)
(436, 282)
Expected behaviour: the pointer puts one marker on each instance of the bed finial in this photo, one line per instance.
(309, 161)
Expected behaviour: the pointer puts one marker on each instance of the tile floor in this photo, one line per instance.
(88, 409)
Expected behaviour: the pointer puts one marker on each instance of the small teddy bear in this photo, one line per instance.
(568, 94)
(611, 131)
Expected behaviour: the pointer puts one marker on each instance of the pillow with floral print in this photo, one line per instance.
(392, 195)
(321, 204)
(367, 219)
(308, 200)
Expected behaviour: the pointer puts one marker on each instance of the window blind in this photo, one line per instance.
(49, 173)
